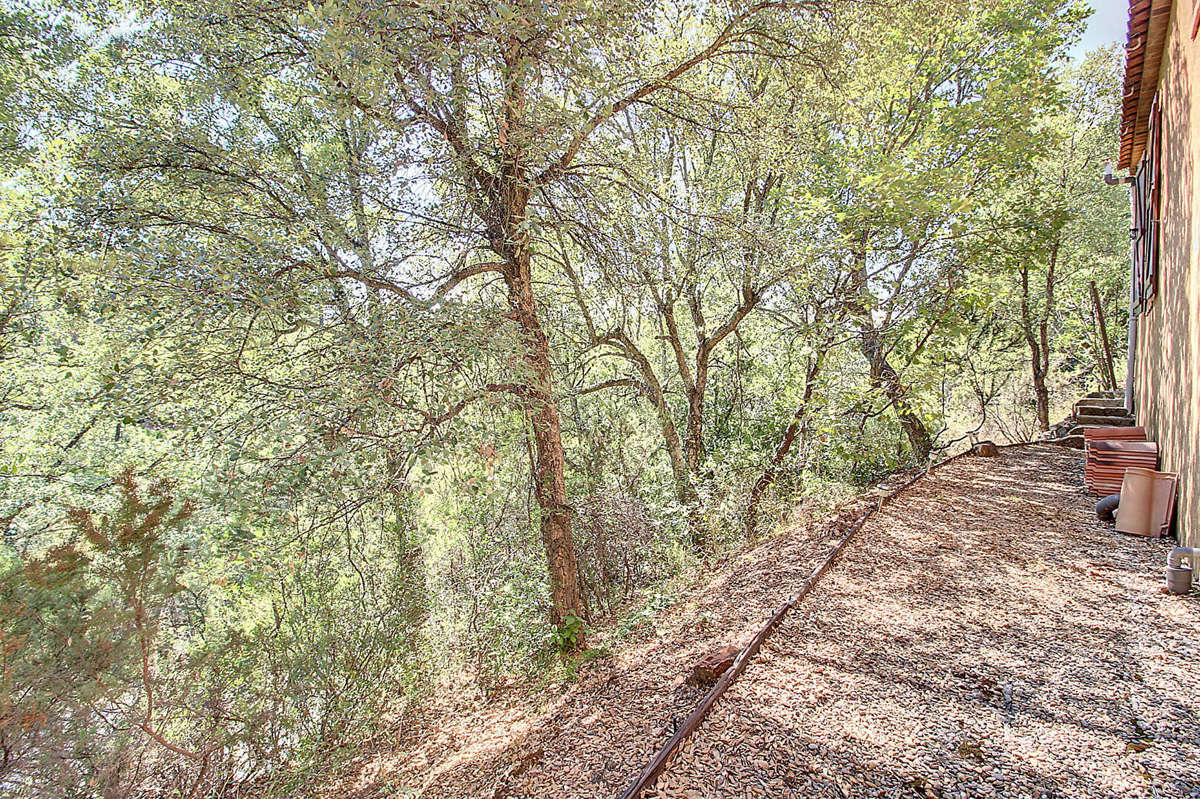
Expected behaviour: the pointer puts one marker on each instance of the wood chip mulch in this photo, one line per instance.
(982, 636)
(985, 636)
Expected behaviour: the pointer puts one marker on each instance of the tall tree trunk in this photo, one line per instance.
(681, 469)
(1041, 393)
(550, 480)
(679, 464)
(693, 438)
(883, 376)
(693, 435)
(550, 486)
(1102, 329)
(1037, 336)
(797, 427)
(693, 449)
(503, 208)
(1038, 367)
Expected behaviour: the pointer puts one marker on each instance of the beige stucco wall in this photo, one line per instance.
(1167, 373)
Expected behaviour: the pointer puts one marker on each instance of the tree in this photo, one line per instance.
(80, 638)
(393, 149)
(907, 157)
(1057, 229)
(662, 300)
(467, 324)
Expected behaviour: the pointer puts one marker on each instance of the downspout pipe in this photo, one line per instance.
(1131, 349)
(1179, 577)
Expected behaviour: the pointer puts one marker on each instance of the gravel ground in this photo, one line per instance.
(983, 637)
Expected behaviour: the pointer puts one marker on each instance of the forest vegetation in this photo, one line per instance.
(353, 350)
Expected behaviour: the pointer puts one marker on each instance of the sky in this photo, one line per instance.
(1106, 25)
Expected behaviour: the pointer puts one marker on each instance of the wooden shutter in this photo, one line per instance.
(1147, 190)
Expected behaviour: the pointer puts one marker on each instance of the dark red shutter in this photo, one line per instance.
(1147, 190)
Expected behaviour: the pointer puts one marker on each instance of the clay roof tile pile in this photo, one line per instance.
(1109, 457)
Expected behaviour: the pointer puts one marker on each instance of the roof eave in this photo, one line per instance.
(1145, 40)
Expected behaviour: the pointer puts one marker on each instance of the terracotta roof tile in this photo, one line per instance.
(1148, 20)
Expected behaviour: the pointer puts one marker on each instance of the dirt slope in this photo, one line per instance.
(981, 637)
(589, 738)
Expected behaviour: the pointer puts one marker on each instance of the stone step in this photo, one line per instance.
(1106, 395)
(1078, 429)
(1089, 409)
(1072, 441)
(1090, 420)
(1102, 402)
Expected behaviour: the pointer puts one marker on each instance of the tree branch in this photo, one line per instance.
(663, 81)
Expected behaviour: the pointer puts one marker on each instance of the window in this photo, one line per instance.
(1147, 188)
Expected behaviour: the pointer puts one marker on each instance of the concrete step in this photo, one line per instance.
(1091, 420)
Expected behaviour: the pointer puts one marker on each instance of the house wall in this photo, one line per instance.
(1167, 372)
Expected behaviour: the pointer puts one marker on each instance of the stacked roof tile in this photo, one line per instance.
(1107, 458)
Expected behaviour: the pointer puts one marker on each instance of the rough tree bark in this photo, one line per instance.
(883, 375)
(797, 428)
(1106, 364)
(550, 485)
(1037, 337)
(686, 452)
(500, 201)
(506, 217)
(682, 468)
